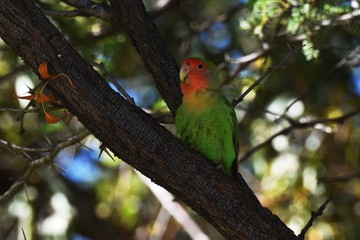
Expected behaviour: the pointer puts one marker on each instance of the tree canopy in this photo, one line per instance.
(69, 128)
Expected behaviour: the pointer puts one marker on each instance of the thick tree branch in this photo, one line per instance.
(131, 133)
(133, 18)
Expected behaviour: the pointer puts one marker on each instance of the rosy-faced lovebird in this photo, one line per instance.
(206, 120)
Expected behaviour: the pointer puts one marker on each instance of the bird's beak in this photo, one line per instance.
(184, 72)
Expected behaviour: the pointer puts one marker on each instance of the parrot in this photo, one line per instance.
(205, 120)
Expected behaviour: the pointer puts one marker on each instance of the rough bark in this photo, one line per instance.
(133, 18)
(131, 133)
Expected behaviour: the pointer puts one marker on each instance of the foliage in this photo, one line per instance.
(292, 174)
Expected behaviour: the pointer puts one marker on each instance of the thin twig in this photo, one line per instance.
(160, 225)
(30, 104)
(314, 215)
(250, 57)
(104, 149)
(36, 163)
(244, 61)
(162, 7)
(17, 148)
(264, 75)
(175, 209)
(86, 8)
(163, 118)
(298, 125)
(328, 76)
(89, 8)
(23, 233)
(220, 18)
(341, 19)
(112, 80)
(70, 13)
(343, 178)
(28, 110)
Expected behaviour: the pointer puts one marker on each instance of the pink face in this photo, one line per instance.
(193, 74)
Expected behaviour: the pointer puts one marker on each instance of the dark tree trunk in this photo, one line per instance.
(128, 131)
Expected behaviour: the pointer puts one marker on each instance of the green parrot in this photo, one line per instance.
(206, 120)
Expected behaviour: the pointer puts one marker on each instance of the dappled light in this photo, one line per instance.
(289, 68)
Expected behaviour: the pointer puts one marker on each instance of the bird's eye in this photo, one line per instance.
(200, 66)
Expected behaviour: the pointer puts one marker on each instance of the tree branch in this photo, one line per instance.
(101, 11)
(220, 18)
(175, 209)
(16, 148)
(314, 215)
(82, 12)
(107, 75)
(343, 62)
(145, 37)
(298, 125)
(345, 18)
(264, 75)
(85, 8)
(34, 164)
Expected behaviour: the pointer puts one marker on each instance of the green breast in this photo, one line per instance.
(212, 131)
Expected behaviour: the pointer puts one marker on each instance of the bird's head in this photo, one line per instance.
(197, 74)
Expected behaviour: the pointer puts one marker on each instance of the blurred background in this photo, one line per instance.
(91, 194)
